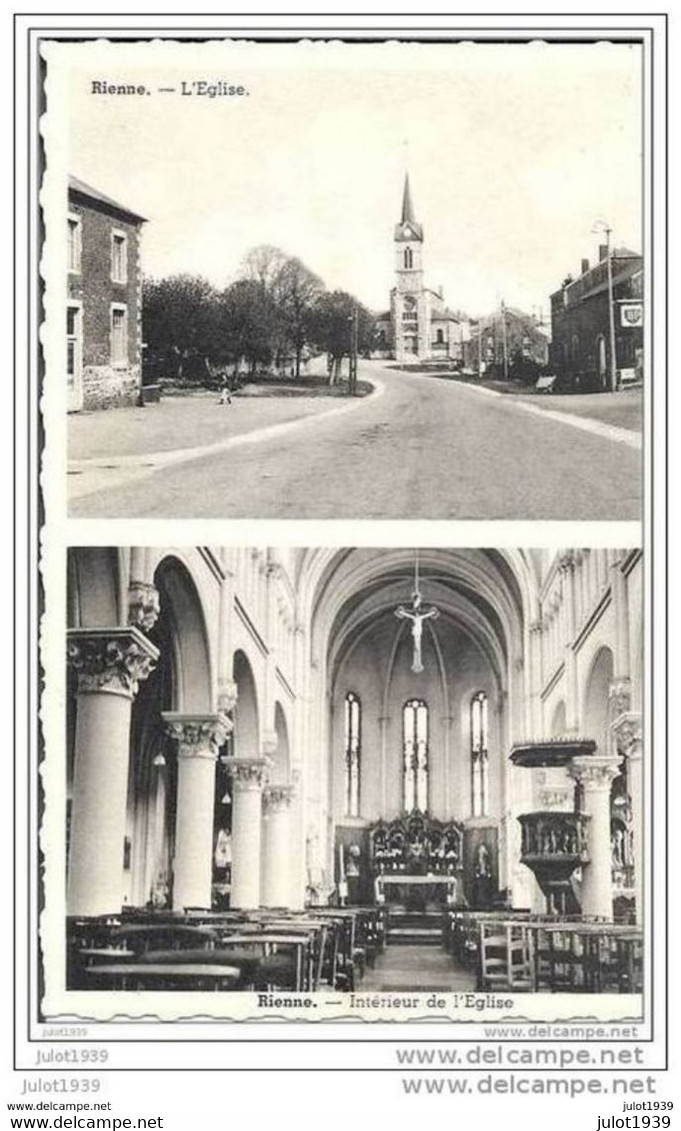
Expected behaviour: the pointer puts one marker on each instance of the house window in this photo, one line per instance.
(439, 338)
(73, 244)
(72, 344)
(119, 335)
(119, 257)
(408, 258)
(479, 755)
(415, 755)
(353, 736)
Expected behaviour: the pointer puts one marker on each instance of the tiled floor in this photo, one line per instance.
(419, 968)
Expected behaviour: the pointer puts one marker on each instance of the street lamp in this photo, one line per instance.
(601, 226)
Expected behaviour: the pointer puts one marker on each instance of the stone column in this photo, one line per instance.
(595, 772)
(198, 738)
(143, 598)
(249, 775)
(277, 848)
(567, 569)
(110, 662)
(628, 739)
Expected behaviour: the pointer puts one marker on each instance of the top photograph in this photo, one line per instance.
(346, 280)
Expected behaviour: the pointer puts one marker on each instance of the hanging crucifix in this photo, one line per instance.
(417, 612)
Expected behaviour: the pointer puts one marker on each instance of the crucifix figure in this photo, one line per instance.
(417, 612)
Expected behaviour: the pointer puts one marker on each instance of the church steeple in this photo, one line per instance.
(407, 206)
(408, 228)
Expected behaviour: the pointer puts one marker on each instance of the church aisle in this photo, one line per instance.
(418, 968)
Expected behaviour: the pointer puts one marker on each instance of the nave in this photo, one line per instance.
(314, 770)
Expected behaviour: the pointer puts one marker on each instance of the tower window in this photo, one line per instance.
(353, 732)
(408, 258)
(415, 755)
(479, 755)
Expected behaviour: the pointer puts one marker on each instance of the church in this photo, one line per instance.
(337, 768)
(419, 327)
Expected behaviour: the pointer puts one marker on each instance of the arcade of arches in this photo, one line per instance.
(246, 728)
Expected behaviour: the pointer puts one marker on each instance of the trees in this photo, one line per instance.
(267, 317)
(299, 289)
(181, 324)
(290, 289)
(332, 328)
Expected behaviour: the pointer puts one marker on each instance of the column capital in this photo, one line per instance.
(619, 696)
(197, 736)
(248, 774)
(277, 798)
(566, 561)
(536, 627)
(143, 605)
(627, 732)
(228, 693)
(113, 660)
(595, 772)
(269, 743)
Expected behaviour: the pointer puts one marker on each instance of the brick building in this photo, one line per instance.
(508, 334)
(580, 323)
(103, 313)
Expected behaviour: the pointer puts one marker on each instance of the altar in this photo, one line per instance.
(427, 885)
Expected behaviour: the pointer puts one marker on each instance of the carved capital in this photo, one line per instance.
(269, 743)
(197, 736)
(114, 660)
(248, 773)
(627, 734)
(277, 798)
(619, 697)
(566, 561)
(228, 693)
(594, 772)
(143, 605)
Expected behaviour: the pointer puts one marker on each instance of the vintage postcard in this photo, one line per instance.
(387, 309)
(346, 404)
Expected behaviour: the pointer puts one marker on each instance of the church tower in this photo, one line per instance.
(409, 305)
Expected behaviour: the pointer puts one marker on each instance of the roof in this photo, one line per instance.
(445, 315)
(80, 187)
(407, 205)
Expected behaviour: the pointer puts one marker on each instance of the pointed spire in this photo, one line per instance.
(407, 206)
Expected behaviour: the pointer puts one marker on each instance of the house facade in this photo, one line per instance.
(508, 338)
(104, 303)
(580, 324)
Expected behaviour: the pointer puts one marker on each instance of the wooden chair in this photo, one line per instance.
(505, 957)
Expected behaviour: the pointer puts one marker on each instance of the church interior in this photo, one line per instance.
(353, 769)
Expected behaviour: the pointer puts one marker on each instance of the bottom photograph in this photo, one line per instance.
(336, 775)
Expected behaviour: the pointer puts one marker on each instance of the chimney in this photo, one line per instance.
(602, 252)
(585, 266)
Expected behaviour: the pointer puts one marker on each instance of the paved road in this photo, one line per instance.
(426, 448)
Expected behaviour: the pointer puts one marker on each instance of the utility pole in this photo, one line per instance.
(504, 339)
(611, 318)
(354, 339)
(601, 225)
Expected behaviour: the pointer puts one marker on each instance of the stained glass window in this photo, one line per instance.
(415, 756)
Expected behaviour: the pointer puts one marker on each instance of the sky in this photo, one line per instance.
(513, 151)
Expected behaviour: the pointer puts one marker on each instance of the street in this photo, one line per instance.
(424, 448)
